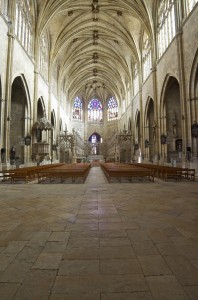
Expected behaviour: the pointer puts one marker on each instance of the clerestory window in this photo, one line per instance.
(166, 25)
(135, 79)
(44, 55)
(146, 56)
(24, 24)
(112, 109)
(77, 109)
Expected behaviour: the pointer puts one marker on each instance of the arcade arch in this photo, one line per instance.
(172, 122)
(150, 130)
(19, 119)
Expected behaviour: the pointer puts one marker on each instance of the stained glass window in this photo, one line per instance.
(95, 111)
(166, 25)
(112, 109)
(77, 109)
(94, 139)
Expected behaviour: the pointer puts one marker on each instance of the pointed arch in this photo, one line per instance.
(137, 127)
(193, 78)
(167, 79)
(171, 119)
(53, 133)
(44, 46)
(53, 118)
(41, 111)
(21, 81)
(25, 24)
(129, 125)
(112, 109)
(20, 116)
(95, 111)
(95, 137)
(149, 129)
(60, 126)
(146, 56)
(77, 109)
(166, 26)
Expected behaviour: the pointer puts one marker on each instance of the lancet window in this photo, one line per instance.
(135, 79)
(112, 109)
(95, 111)
(166, 25)
(77, 109)
(24, 24)
(146, 56)
(44, 58)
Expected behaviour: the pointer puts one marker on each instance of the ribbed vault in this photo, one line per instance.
(95, 43)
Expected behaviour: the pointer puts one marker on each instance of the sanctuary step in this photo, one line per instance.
(93, 158)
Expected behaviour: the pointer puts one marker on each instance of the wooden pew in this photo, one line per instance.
(113, 170)
(24, 174)
(169, 172)
(73, 171)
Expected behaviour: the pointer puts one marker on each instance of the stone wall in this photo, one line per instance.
(3, 51)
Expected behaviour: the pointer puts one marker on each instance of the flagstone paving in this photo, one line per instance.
(99, 241)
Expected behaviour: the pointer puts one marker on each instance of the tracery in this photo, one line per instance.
(166, 24)
(112, 109)
(24, 24)
(77, 109)
(95, 111)
(146, 56)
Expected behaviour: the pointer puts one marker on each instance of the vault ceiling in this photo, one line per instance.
(95, 43)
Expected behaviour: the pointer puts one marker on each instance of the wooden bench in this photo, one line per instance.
(73, 171)
(24, 174)
(169, 172)
(114, 170)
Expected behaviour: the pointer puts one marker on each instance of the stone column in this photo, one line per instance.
(156, 119)
(179, 37)
(8, 92)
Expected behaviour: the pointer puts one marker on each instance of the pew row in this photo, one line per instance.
(119, 171)
(73, 171)
(26, 174)
(167, 172)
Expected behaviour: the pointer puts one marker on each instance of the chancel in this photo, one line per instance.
(99, 149)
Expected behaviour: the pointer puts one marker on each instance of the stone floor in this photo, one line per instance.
(99, 241)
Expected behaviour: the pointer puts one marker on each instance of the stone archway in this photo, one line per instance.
(150, 131)
(172, 109)
(192, 149)
(53, 137)
(40, 115)
(195, 120)
(95, 140)
(60, 126)
(19, 108)
(137, 138)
